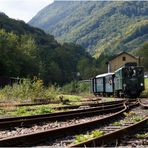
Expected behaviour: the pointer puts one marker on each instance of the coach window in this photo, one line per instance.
(123, 58)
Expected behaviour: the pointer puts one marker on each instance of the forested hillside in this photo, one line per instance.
(26, 51)
(97, 25)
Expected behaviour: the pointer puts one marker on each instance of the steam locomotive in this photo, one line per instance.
(127, 81)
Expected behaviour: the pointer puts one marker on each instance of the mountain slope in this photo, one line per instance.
(97, 26)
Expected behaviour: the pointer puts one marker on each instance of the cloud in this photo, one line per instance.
(22, 9)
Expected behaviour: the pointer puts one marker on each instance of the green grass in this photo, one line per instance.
(28, 90)
(145, 135)
(81, 138)
(132, 119)
(145, 92)
(23, 111)
(2, 111)
(29, 110)
(146, 83)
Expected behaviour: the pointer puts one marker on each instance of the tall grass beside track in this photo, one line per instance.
(28, 90)
(145, 92)
(31, 89)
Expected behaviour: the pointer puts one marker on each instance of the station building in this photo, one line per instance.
(120, 59)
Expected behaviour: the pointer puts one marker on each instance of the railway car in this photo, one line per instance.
(109, 84)
(103, 84)
(129, 80)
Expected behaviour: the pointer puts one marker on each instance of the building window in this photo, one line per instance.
(123, 58)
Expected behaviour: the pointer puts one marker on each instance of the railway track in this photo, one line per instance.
(52, 134)
(88, 104)
(20, 140)
(143, 102)
(26, 120)
(114, 131)
(83, 102)
(139, 139)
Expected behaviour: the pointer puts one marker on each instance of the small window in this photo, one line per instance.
(123, 58)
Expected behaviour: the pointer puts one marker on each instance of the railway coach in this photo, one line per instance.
(103, 84)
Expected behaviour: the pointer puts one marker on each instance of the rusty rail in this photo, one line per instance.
(34, 138)
(142, 104)
(113, 135)
(28, 120)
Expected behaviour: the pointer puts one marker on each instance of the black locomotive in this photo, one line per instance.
(127, 81)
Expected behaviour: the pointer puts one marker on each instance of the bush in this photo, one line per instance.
(145, 92)
(71, 88)
(76, 87)
(28, 90)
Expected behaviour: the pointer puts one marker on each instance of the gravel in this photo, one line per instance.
(17, 131)
(138, 111)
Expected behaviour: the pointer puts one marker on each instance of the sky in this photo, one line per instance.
(22, 9)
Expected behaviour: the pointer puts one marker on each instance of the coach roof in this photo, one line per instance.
(104, 75)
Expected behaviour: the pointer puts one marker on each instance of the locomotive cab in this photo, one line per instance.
(129, 80)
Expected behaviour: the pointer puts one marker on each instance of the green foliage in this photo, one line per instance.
(32, 89)
(2, 111)
(13, 49)
(28, 90)
(23, 111)
(97, 133)
(71, 88)
(82, 138)
(146, 83)
(84, 87)
(40, 55)
(145, 135)
(71, 98)
(133, 118)
(143, 53)
(108, 26)
(131, 113)
(76, 87)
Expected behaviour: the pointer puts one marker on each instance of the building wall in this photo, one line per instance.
(120, 61)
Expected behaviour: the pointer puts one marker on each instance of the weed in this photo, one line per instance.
(97, 133)
(2, 111)
(24, 111)
(127, 120)
(117, 123)
(145, 135)
(81, 138)
(129, 113)
(137, 118)
(28, 90)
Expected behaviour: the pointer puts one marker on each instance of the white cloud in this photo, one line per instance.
(22, 9)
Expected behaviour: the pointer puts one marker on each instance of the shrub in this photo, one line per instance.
(28, 90)
(76, 87)
(71, 88)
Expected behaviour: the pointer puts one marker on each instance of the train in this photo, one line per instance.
(127, 81)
